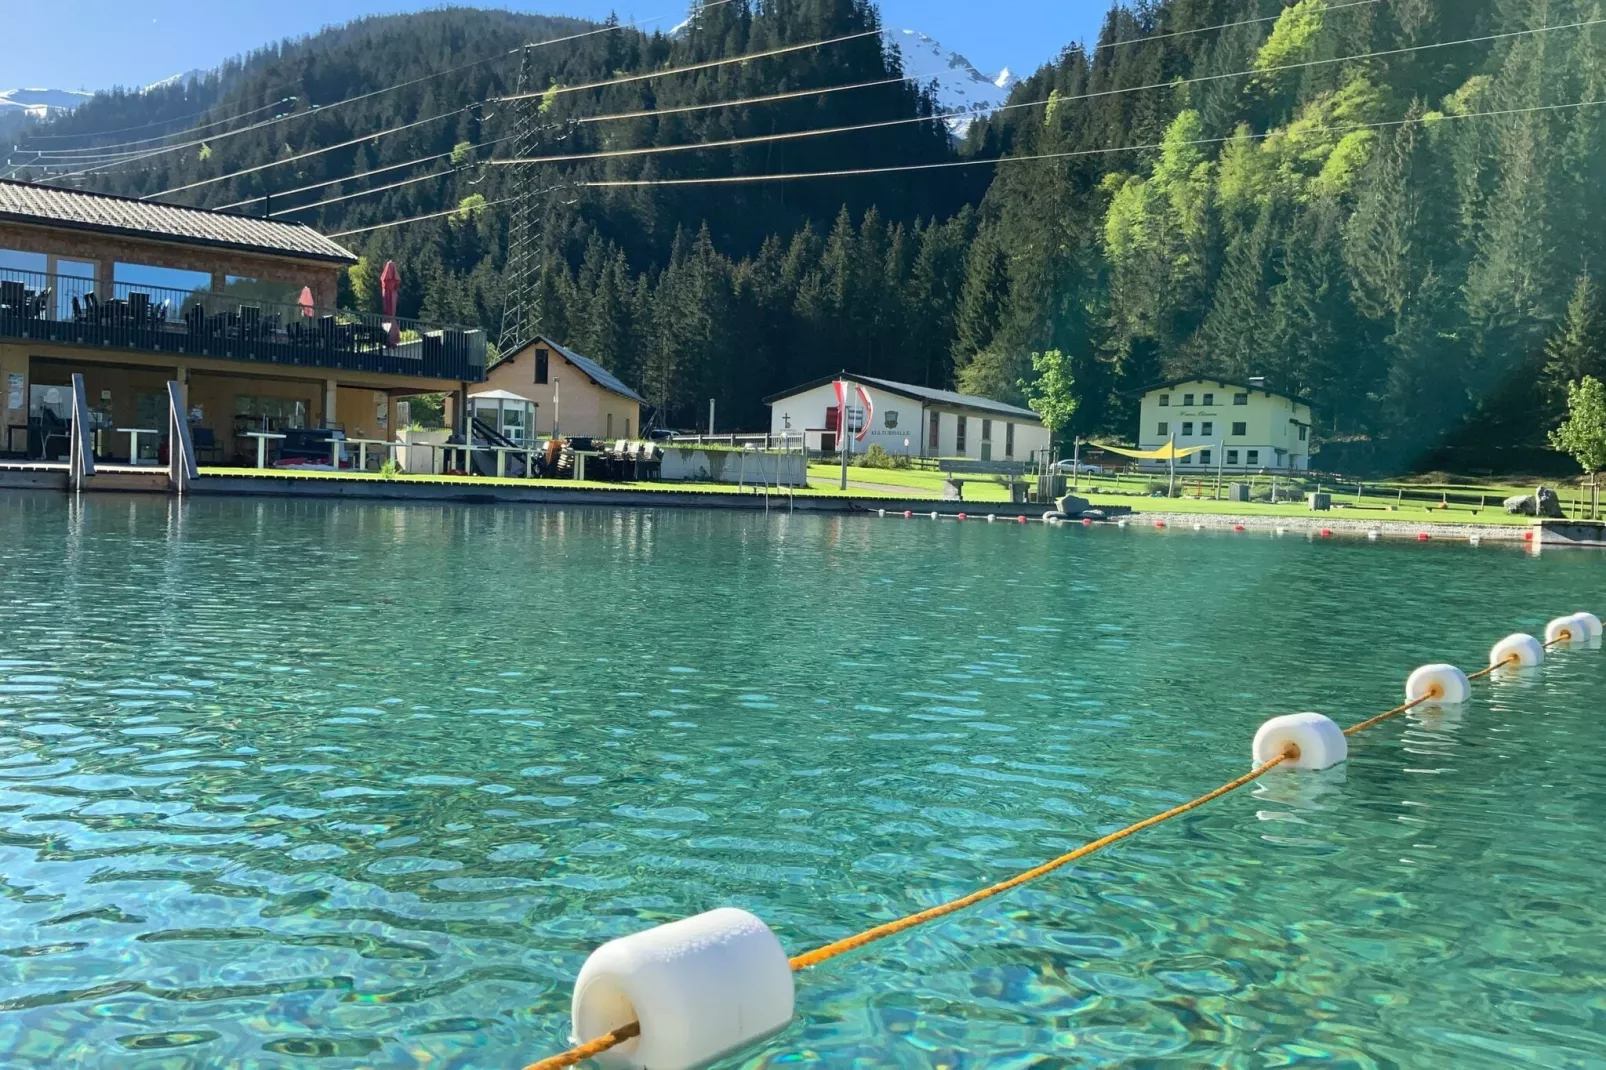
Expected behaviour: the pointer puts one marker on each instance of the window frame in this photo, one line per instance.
(1009, 439)
(1240, 399)
(1165, 429)
(1209, 400)
(1187, 401)
(1240, 428)
(1187, 429)
(960, 436)
(1252, 457)
(1204, 457)
(1207, 428)
(543, 367)
(934, 435)
(1232, 458)
(1165, 401)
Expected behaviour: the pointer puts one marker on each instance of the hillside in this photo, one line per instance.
(1309, 194)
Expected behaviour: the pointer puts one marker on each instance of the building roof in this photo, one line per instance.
(501, 395)
(588, 367)
(1251, 387)
(52, 206)
(927, 394)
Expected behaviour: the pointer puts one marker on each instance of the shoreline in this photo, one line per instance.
(1401, 529)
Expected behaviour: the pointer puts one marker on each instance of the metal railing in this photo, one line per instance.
(69, 310)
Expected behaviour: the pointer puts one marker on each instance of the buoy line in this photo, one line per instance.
(690, 992)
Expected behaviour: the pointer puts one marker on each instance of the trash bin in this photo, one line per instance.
(1237, 492)
(1320, 501)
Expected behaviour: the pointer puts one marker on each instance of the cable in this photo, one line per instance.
(678, 110)
(1147, 38)
(654, 150)
(560, 90)
(854, 172)
(87, 151)
(318, 109)
(459, 210)
(525, 96)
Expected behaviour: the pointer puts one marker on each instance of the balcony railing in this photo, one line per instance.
(198, 323)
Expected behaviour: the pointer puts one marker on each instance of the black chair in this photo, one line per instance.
(205, 443)
(12, 294)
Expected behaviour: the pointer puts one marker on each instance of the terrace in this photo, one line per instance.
(77, 311)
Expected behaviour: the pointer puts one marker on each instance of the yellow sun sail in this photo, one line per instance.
(1170, 451)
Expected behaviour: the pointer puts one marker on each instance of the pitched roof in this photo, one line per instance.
(52, 206)
(1251, 387)
(927, 394)
(588, 367)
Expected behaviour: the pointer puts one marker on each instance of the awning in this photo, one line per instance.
(500, 395)
(1168, 452)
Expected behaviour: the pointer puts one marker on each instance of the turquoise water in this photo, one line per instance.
(297, 784)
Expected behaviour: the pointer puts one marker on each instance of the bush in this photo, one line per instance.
(389, 470)
(878, 457)
(1158, 486)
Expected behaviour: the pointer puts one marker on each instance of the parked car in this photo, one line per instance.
(1083, 467)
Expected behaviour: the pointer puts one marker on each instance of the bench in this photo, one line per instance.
(1011, 473)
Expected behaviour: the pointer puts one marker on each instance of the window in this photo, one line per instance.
(1187, 401)
(1165, 401)
(248, 290)
(1240, 428)
(1187, 429)
(1207, 429)
(267, 413)
(1254, 457)
(1009, 440)
(1165, 429)
(160, 284)
(986, 430)
(1240, 399)
(1303, 431)
(541, 366)
(1209, 399)
(934, 439)
(1232, 456)
(1204, 456)
(13, 262)
(1188, 459)
(627, 427)
(609, 432)
(959, 436)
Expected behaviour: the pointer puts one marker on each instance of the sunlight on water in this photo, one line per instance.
(294, 784)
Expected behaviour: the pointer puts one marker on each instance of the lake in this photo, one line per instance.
(305, 784)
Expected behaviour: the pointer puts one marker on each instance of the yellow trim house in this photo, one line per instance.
(573, 396)
(1239, 427)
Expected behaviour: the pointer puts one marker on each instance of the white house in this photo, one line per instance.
(1242, 426)
(915, 421)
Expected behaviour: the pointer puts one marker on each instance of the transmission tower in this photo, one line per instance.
(520, 315)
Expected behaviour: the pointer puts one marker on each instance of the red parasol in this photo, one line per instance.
(305, 301)
(389, 289)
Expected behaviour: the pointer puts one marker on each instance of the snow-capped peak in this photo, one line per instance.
(962, 91)
(40, 103)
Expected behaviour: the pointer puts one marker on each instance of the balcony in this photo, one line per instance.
(65, 310)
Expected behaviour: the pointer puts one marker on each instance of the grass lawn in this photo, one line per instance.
(1372, 511)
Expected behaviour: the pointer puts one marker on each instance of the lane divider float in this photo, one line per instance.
(686, 994)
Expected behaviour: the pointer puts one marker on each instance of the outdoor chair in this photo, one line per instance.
(205, 443)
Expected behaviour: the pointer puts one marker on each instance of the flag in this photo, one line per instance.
(869, 412)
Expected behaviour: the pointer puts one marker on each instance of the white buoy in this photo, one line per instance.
(991, 518)
(933, 516)
(1566, 629)
(1121, 523)
(1282, 531)
(881, 512)
(1198, 527)
(701, 988)
(1444, 684)
(1475, 539)
(1374, 535)
(1520, 651)
(1591, 622)
(1320, 742)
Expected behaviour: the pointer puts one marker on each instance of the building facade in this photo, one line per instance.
(1242, 427)
(572, 396)
(912, 421)
(240, 311)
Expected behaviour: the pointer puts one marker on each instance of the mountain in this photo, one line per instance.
(961, 87)
(40, 103)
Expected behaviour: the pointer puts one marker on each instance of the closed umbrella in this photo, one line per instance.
(305, 301)
(389, 290)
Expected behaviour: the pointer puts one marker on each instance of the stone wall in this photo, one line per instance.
(689, 465)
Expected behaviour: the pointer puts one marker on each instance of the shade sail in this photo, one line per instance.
(1168, 452)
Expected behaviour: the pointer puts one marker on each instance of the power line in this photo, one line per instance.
(763, 139)
(585, 119)
(80, 155)
(1198, 142)
(380, 189)
(319, 109)
(905, 168)
(560, 90)
(1147, 38)
(517, 97)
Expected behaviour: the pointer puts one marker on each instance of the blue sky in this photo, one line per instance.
(94, 44)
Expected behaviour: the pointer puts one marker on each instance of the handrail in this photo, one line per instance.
(81, 451)
(181, 467)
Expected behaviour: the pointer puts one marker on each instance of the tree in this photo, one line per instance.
(1583, 435)
(1578, 350)
(1053, 394)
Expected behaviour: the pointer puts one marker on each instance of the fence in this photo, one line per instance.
(68, 310)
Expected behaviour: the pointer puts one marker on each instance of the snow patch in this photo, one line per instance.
(963, 91)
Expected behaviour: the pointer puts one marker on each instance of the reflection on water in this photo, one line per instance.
(291, 783)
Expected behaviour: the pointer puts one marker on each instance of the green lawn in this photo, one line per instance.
(548, 484)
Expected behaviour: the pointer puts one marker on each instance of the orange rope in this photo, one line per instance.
(588, 1051)
(892, 928)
